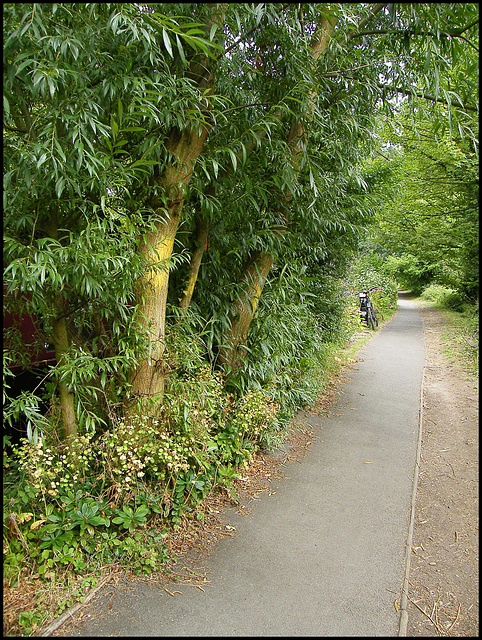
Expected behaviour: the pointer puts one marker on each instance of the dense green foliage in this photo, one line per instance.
(430, 226)
(243, 134)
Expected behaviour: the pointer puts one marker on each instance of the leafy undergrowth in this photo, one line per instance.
(461, 339)
(110, 501)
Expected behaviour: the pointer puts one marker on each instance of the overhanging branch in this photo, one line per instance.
(426, 96)
(412, 32)
(376, 9)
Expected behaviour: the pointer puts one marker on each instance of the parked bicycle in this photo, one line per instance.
(368, 315)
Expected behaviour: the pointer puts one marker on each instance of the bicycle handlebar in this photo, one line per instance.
(368, 290)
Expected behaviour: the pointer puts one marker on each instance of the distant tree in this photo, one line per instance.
(432, 223)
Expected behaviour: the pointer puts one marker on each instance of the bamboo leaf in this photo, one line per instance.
(167, 42)
(114, 126)
(437, 83)
(120, 111)
(233, 158)
(180, 49)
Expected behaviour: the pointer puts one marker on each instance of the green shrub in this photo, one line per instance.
(286, 338)
(254, 415)
(411, 273)
(444, 296)
(454, 301)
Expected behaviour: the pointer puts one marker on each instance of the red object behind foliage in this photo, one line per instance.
(31, 336)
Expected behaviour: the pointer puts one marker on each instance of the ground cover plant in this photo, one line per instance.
(75, 510)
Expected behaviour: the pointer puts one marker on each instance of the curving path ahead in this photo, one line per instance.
(324, 555)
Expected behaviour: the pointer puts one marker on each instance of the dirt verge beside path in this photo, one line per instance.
(444, 581)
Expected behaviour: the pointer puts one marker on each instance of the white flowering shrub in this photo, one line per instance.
(144, 450)
(53, 469)
(254, 415)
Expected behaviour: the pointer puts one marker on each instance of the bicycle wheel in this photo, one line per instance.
(375, 318)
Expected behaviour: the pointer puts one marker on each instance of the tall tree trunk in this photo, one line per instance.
(148, 379)
(201, 240)
(257, 268)
(61, 345)
(252, 282)
(156, 249)
(157, 245)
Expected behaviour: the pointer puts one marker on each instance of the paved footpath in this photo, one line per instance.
(324, 555)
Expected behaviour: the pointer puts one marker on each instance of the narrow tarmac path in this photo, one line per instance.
(324, 554)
